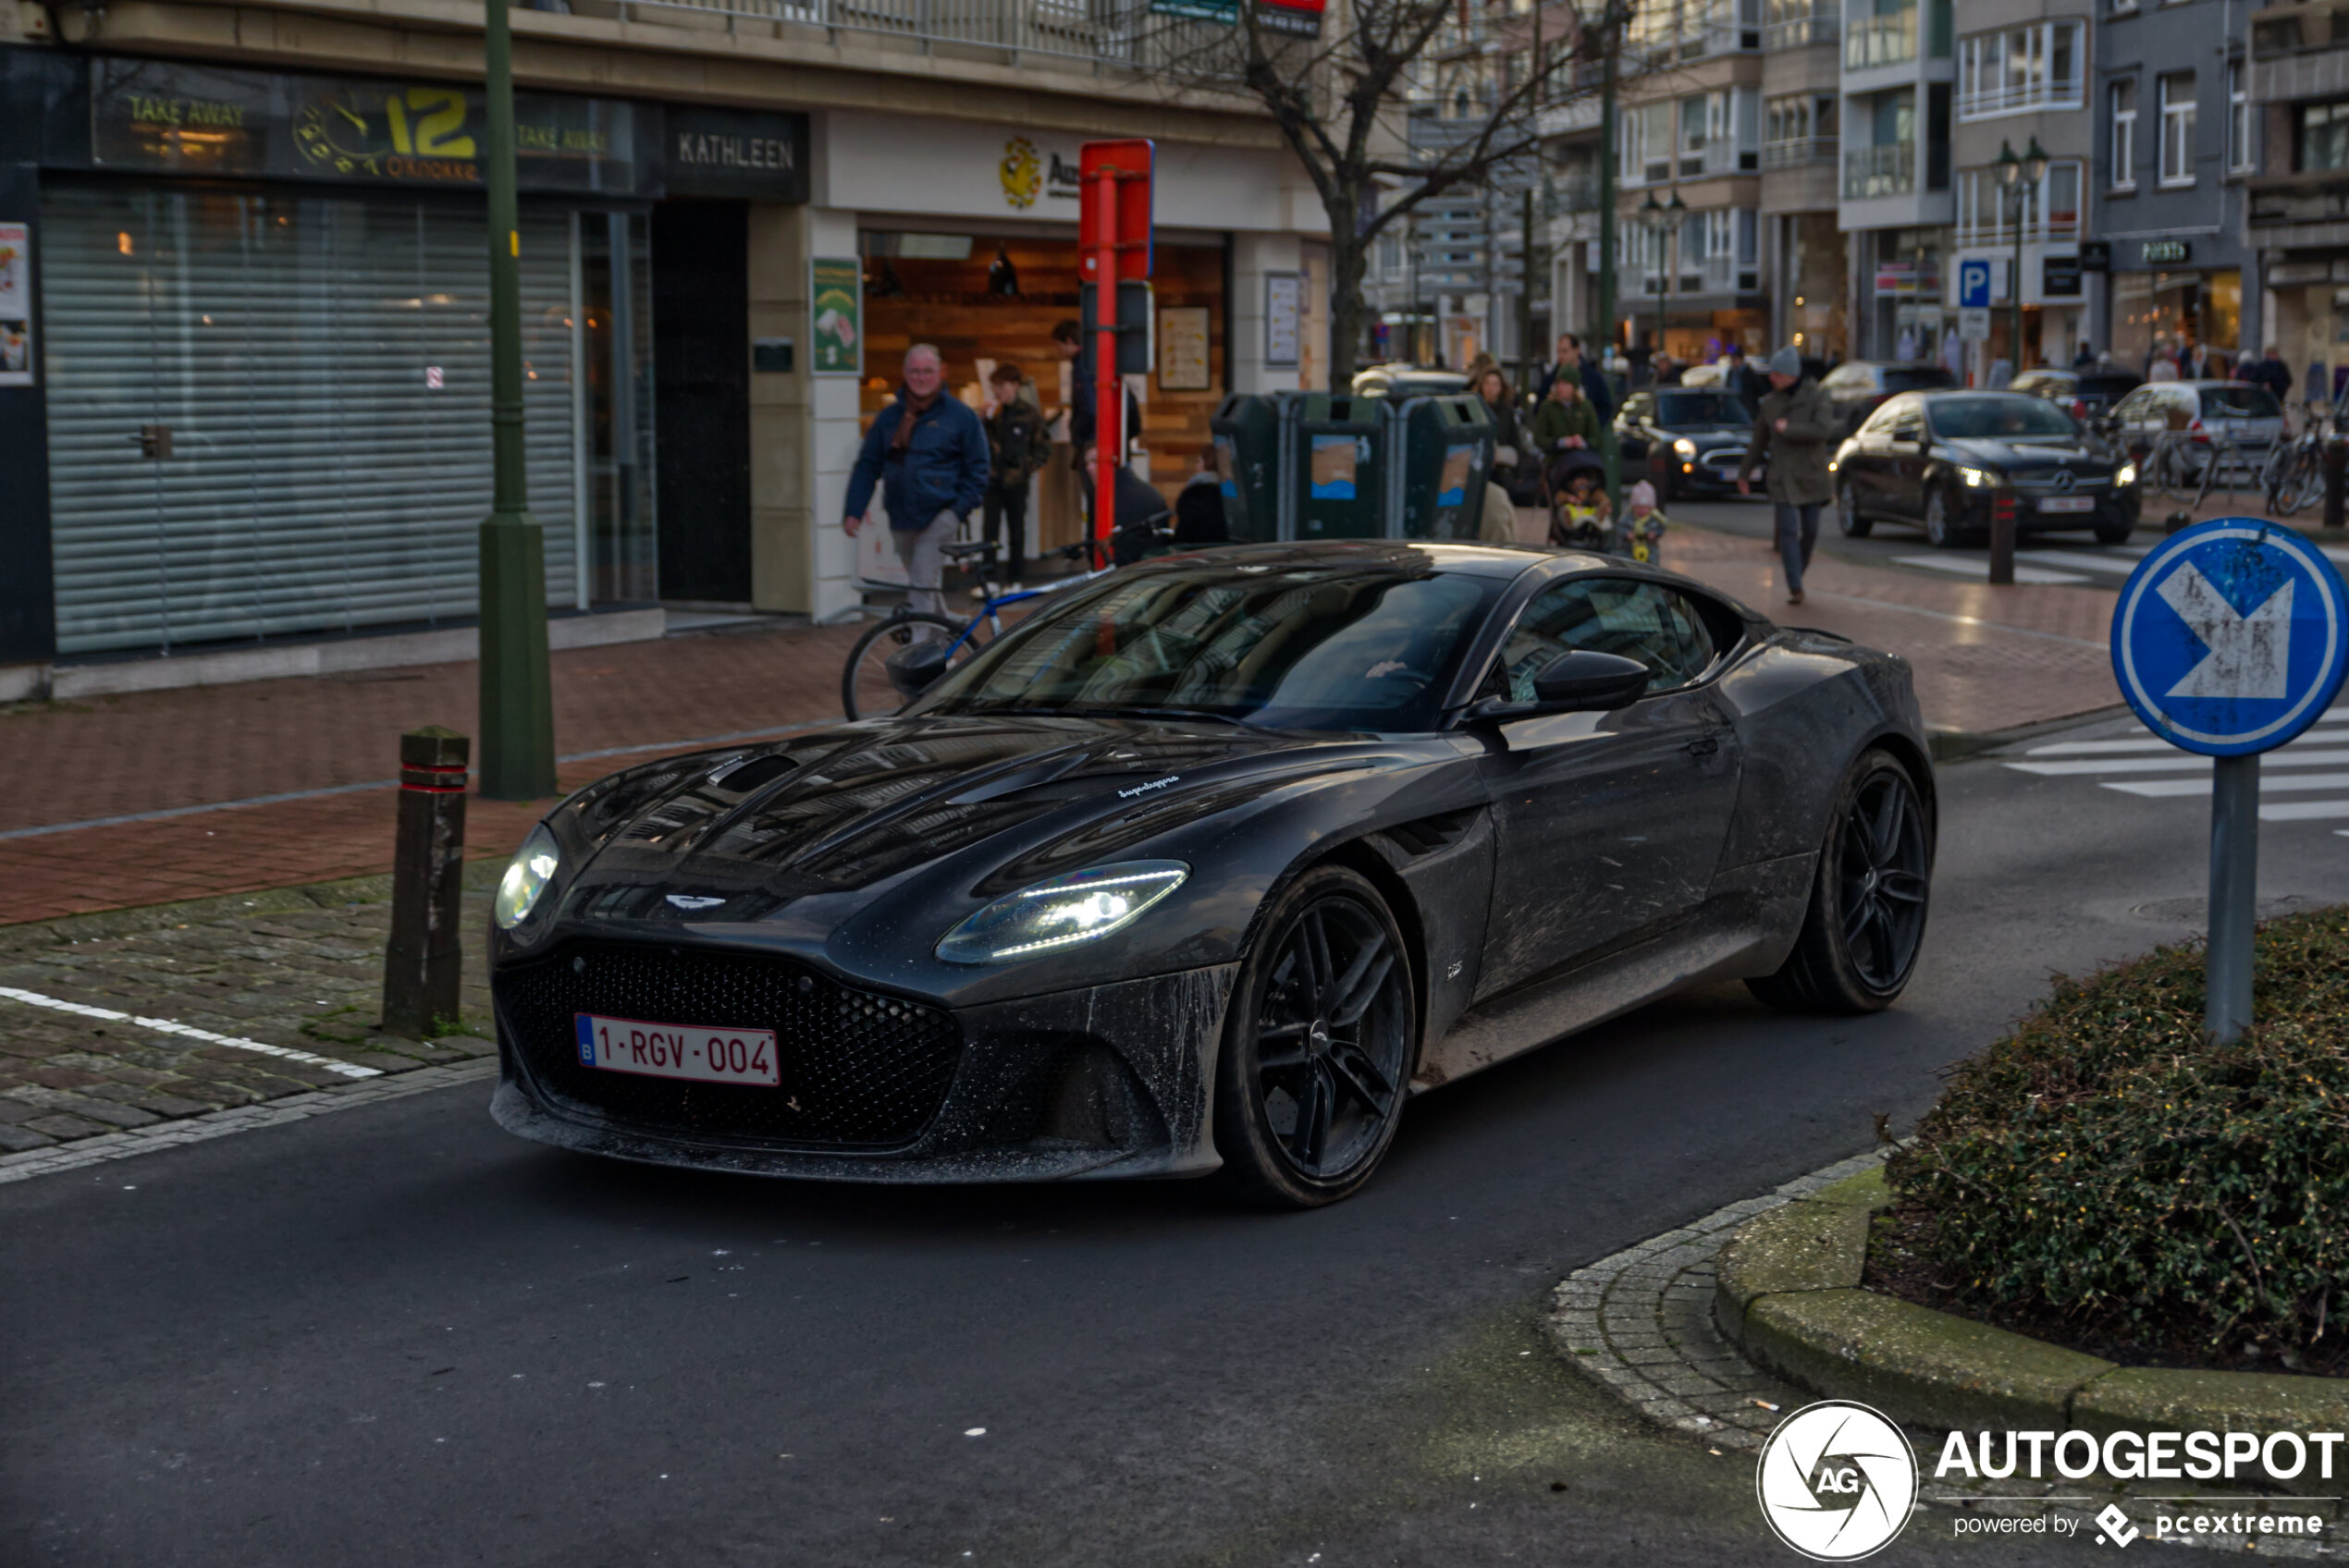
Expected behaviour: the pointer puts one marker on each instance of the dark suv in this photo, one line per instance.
(1858, 387)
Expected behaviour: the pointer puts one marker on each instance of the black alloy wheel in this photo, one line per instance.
(1320, 1044)
(1869, 898)
(1940, 518)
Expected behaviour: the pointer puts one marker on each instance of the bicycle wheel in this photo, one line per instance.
(2302, 483)
(865, 689)
(2172, 475)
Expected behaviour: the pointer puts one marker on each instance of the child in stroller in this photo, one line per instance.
(1580, 512)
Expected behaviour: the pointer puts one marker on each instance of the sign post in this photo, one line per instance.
(2230, 640)
(1113, 244)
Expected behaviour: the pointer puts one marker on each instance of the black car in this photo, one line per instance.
(2084, 394)
(1950, 461)
(1212, 861)
(1859, 387)
(1690, 438)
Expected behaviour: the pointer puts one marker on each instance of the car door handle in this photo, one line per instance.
(1704, 746)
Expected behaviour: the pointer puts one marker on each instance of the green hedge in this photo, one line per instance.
(2104, 1162)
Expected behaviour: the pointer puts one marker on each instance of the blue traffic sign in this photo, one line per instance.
(1974, 283)
(2230, 637)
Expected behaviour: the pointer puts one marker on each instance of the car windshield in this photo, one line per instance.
(1965, 419)
(1701, 408)
(1911, 378)
(1342, 646)
(2239, 402)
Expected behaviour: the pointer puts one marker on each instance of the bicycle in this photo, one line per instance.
(2293, 475)
(884, 673)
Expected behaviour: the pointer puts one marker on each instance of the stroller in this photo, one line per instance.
(1574, 527)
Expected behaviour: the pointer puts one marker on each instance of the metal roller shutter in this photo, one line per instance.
(316, 481)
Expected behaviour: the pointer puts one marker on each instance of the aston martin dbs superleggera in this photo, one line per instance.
(1213, 862)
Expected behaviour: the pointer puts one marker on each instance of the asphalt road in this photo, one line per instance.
(1752, 518)
(396, 1336)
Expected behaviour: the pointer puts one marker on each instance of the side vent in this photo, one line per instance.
(1430, 833)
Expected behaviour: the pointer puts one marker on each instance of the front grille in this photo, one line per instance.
(859, 1069)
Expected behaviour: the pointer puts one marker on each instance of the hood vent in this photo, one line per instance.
(1430, 833)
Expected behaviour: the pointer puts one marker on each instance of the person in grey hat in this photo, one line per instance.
(1795, 433)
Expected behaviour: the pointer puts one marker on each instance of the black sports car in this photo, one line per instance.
(1212, 861)
(1693, 438)
(1950, 461)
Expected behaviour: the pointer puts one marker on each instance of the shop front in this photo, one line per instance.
(965, 239)
(2160, 297)
(2310, 288)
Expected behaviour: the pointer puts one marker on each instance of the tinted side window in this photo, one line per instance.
(1636, 620)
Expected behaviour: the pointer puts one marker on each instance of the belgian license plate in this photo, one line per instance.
(679, 1051)
(2069, 504)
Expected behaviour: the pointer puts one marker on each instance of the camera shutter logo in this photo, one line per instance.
(1837, 1481)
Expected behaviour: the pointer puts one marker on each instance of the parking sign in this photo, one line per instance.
(1974, 283)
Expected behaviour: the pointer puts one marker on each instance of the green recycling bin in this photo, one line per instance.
(1339, 480)
(1246, 432)
(1443, 457)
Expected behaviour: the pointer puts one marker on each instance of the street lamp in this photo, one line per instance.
(1660, 219)
(2017, 178)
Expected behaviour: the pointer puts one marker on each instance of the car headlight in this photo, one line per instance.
(1062, 911)
(528, 877)
(1685, 446)
(1975, 478)
(2125, 476)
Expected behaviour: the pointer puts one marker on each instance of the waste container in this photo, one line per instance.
(1246, 432)
(1338, 482)
(1442, 456)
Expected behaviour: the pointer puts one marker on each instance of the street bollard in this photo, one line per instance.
(2336, 479)
(2002, 540)
(424, 963)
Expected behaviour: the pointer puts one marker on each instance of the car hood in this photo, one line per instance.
(2064, 451)
(737, 835)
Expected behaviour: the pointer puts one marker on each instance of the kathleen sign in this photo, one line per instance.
(735, 153)
(201, 120)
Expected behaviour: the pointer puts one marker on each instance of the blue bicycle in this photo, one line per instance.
(873, 687)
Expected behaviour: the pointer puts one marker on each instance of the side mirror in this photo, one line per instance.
(916, 667)
(1581, 681)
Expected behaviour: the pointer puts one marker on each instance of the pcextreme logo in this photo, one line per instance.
(1837, 1481)
(1023, 173)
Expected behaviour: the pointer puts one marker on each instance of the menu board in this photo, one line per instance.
(1182, 348)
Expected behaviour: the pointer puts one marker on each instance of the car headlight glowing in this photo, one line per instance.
(1062, 911)
(1975, 478)
(526, 879)
(2126, 476)
(1685, 446)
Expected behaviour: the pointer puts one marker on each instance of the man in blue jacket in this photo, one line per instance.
(929, 450)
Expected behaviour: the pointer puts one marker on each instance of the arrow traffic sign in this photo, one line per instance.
(2230, 637)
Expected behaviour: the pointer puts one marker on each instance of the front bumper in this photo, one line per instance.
(1108, 1081)
(2112, 506)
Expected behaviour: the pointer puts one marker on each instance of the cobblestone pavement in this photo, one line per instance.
(1639, 1324)
(299, 971)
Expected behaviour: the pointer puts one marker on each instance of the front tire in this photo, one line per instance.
(1319, 1043)
(1847, 515)
(1940, 522)
(1869, 898)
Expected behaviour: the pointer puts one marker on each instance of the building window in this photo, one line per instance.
(2050, 209)
(2238, 117)
(1693, 122)
(2124, 134)
(2324, 137)
(2040, 67)
(2177, 128)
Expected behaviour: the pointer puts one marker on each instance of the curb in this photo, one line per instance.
(1956, 745)
(1787, 1293)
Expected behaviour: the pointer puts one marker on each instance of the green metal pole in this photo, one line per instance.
(517, 697)
(1602, 329)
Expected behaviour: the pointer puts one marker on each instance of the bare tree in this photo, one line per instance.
(1343, 98)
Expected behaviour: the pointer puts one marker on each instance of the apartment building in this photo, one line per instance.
(243, 353)
(1897, 205)
(1802, 116)
(2176, 141)
(2296, 178)
(2022, 145)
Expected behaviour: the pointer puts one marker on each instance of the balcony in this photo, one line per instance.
(1129, 33)
(1870, 172)
(2301, 196)
(2010, 98)
(1998, 233)
(1797, 151)
(1876, 42)
(1577, 114)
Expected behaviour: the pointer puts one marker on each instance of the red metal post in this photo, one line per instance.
(1109, 407)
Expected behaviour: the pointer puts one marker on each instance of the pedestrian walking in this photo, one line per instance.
(1571, 361)
(1796, 432)
(1511, 471)
(1019, 443)
(2270, 371)
(926, 452)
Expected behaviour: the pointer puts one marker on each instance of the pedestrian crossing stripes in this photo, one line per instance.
(2137, 764)
(2061, 566)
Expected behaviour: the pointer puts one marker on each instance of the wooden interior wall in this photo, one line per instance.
(947, 304)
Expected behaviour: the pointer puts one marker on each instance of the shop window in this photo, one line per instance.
(2124, 134)
(2177, 128)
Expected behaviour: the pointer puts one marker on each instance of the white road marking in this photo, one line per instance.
(2287, 756)
(2079, 561)
(2302, 811)
(2327, 728)
(189, 1031)
(2158, 789)
(1979, 566)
